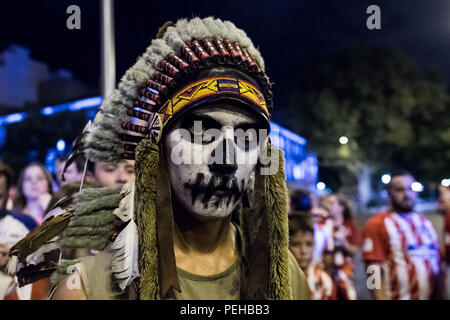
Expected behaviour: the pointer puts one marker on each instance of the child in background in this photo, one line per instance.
(301, 244)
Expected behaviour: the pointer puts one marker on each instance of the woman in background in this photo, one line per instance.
(34, 191)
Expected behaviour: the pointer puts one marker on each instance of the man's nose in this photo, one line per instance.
(227, 163)
(121, 177)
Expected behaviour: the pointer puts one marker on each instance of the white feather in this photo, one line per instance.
(12, 265)
(38, 256)
(124, 249)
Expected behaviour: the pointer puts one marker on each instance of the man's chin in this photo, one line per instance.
(404, 208)
(209, 213)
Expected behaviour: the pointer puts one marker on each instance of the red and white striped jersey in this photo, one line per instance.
(323, 239)
(408, 246)
(447, 237)
(320, 284)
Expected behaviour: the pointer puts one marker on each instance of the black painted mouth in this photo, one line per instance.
(225, 188)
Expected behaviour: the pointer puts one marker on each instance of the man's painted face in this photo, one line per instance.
(211, 153)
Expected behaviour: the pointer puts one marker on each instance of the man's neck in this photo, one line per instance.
(191, 234)
(203, 247)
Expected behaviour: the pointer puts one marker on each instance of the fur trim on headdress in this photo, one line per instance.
(264, 227)
(93, 223)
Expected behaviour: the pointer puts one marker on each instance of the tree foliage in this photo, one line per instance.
(393, 113)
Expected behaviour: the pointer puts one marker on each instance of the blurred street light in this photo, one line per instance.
(417, 186)
(321, 186)
(386, 178)
(343, 140)
(445, 182)
(61, 145)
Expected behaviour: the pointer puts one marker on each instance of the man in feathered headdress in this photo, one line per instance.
(206, 217)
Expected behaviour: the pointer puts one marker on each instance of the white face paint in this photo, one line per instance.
(209, 159)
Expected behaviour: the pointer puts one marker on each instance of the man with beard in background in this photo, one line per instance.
(401, 248)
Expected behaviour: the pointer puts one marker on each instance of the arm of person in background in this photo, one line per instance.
(374, 255)
(353, 239)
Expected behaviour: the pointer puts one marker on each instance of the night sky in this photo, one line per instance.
(289, 33)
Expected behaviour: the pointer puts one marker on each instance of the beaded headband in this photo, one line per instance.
(156, 105)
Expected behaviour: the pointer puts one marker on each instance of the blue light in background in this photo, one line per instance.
(61, 145)
(85, 103)
(283, 132)
(12, 118)
(47, 111)
(50, 159)
(93, 102)
(2, 136)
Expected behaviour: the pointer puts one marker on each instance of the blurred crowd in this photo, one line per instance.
(27, 204)
(403, 256)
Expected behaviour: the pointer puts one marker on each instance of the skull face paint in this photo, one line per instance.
(211, 153)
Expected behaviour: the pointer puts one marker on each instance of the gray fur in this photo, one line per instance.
(91, 200)
(97, 242)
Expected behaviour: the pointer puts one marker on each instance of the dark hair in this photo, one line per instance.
(347, 212)
(91, 167)
(301, 200)
(300, 222)
(7, 172)
(20, 201)
(66, 191)
(398, 173)
(79, 162)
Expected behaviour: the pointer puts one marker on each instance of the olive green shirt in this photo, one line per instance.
(222, 286)
(225, 285)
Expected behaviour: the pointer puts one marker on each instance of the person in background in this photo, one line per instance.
(301, 244)
(443, 206)
(41, 288)
(301, 203)
(13, 226)
(401, 246)
(73, 173)
(342, 266)
(323, 236)
(110, 174)
(34, 191)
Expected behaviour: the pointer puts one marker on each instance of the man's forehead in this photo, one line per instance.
(224, 115)
(402, 180)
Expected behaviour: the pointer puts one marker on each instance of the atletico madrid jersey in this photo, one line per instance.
(408, 246)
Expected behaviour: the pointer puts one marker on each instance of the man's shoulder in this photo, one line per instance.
(378, 219)
(26, 220)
